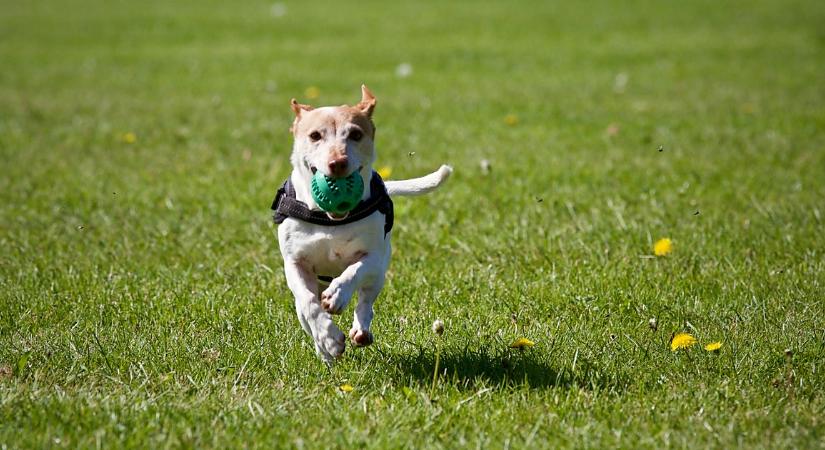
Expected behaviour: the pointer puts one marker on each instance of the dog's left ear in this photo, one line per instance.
(367, 103)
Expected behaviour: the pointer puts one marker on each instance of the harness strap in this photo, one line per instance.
(287, 205)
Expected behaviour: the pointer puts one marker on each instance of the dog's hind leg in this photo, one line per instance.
(329, 340)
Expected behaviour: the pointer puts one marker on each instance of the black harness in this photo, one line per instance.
(287, 205)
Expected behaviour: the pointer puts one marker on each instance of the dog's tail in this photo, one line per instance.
(418, 186)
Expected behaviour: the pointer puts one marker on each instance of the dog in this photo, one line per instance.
(329, 257)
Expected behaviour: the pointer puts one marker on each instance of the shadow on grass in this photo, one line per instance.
(466, 368)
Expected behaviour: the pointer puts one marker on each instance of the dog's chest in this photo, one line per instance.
(329, 250)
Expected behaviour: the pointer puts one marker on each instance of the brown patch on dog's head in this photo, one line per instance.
(360, 114)
(335, 139)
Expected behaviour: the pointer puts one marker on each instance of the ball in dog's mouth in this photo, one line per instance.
(337, 196)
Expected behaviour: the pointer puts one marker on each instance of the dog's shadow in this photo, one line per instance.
(466, 368)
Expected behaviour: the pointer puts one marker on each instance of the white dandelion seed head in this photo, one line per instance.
(620, 82)
(485, 165)
(277, 9)
(403, 70)
(438, 327)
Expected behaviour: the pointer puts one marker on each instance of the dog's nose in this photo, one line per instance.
(338, 166)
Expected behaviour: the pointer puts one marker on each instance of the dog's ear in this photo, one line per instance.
(367, 103)
(297, 108)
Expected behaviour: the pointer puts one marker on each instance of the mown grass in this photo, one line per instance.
(141, 296)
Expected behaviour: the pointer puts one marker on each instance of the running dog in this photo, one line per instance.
(330, 256)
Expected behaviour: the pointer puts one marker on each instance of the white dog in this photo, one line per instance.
(328, 257)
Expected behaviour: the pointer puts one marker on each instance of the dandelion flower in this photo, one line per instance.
(385, 172)
(662, 247)
(346, 387)
(129, 137)
(713, 346)
(682, 340)
(312, 92)
(438, 327)
(522, 343)
(511, 119)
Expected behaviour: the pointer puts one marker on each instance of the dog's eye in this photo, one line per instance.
(315, 136)
(356, 135)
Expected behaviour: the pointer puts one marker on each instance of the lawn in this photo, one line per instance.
(142, 299)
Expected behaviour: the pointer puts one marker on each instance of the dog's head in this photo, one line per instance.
(337, 140)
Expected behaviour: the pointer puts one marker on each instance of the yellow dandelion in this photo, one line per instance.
(312, 92)
(408, 392)
(662, 247)
(522, 343)
(346, 387)
(385, 172)
(713, 347)
(129, 137)
(511, 119)
(682, 340)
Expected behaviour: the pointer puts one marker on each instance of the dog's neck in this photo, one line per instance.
(301, 179)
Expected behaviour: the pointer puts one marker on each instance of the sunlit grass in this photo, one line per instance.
(142, 301)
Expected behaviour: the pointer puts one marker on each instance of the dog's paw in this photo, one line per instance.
(331, 342)
(335, 298)
(360, 338)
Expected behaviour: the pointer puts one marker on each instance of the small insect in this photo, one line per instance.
(696, 213)
(411, 154)
(661, 148)
(539, 199)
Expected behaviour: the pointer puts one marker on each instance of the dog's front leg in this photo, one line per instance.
(360, 333)
(366, 275)
(329, 340)
(365, 270)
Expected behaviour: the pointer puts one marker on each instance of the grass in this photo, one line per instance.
(142, 302)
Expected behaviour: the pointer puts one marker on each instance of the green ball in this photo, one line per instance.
(337, 195)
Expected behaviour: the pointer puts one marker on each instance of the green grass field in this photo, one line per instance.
(142, 300)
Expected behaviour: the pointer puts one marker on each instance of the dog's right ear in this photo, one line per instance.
(297, 108)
